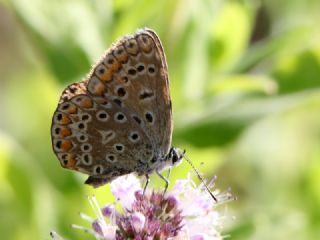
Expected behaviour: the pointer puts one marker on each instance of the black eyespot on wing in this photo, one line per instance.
(66, 106)
(145, 95)
(57, 130)
(86, 147)
(86, 158)
(137, 119)
(58, 144)
(134, 137)
(140, 68)
(121, 92)
(101, 70)
(149, 117)
(59, 117)
(103, 115)
(82, 137)
(84, 117)
(119, 147)
(120, 116)
(98, 170)
(151, 70)
(132, 71)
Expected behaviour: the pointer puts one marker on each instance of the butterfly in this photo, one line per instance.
(119, 119)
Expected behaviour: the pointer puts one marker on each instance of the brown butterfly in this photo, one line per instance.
(119, 119)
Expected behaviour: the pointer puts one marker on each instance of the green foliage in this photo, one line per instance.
(245, 78)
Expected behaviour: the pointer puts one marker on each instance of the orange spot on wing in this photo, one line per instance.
(99, 89)
(65, 120)
(71, 161)
(123, 57)
(66, 145)
(86, 103)
(107, 75)
(72, 109)
(115, 66)
(65, 132)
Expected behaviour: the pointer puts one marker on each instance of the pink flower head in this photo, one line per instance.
(185, 212)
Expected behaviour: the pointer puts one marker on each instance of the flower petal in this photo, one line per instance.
(123, 188)
(138, 220)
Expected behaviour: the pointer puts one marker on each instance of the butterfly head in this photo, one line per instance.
(175, 156)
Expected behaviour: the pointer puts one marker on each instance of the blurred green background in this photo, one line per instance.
(245, 83)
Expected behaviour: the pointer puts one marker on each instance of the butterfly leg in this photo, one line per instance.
(164, 179)
(169, 173)
(147, 182)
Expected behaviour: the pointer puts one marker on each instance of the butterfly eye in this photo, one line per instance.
(174, 159)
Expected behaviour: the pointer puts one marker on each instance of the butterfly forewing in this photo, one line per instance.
(164, 124)
(118, 120)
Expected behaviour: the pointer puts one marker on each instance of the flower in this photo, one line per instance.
(185, 212)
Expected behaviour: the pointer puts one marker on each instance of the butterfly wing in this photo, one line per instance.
(118, 120)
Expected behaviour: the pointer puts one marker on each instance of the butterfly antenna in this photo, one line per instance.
(199, 176)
